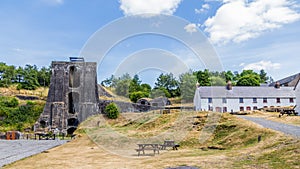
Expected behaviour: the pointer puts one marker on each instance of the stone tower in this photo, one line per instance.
(73, 95)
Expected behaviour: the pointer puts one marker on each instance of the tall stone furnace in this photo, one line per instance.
(73, 94)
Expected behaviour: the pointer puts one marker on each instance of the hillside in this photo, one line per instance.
(103, 143)
(20, 109)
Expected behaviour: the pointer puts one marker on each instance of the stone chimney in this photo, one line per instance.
(229, 85)
(277, 85)
(197, 84)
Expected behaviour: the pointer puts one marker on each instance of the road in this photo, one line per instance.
(285, 128)
(13, 150)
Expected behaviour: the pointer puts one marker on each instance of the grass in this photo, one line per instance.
(274, 116)
(233, 144)
(41, 92)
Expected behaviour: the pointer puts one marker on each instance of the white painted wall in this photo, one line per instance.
(234, 105)
(298, 98)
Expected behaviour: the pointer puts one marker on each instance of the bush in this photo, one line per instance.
(135, 96)
(12, 102)
(112, 111)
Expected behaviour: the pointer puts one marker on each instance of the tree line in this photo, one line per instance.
(31, 77)
(28, 77)
(169, 86)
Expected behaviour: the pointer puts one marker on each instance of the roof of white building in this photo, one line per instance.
(246, 92)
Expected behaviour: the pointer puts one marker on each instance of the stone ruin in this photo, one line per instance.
(72, 96)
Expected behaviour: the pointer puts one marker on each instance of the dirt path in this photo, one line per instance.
(285, 128)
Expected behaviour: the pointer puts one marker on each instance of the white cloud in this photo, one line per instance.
(133, 7)
(190, 28)
(266, 65)
(204, 8)
(239, 21)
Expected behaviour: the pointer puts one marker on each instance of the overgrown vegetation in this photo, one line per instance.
(15, 116)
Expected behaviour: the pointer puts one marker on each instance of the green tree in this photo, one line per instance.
(229, 76)
(168, 82)
(203, 77)
(248, 78)
(30, 75)
(187, 83)
(44, 76)
(19, 74)
(134, 85)
(263, 76)
(145, 88)
(7, 74)
(135, 96)
(160, 92)
(122, 85)
(217, 81)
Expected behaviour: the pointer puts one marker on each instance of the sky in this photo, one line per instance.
(245, 34)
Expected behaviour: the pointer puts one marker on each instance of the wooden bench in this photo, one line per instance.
(169, 143)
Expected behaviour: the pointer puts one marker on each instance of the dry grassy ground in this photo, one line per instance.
(233, 144)
(41, 92)
(274, 116)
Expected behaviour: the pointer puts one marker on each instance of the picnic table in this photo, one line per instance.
(148, 146)
(288, 111)
(169, 143)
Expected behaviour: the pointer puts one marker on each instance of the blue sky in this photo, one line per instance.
(253, 34)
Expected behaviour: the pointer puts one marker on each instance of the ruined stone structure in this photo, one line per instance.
(73, 95)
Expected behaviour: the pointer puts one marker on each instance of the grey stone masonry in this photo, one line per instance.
(73, 95)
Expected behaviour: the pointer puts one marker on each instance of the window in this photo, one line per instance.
(291, 100)
(277, 100)
(254, 107)
(241, 100)
(209, 100)
(74, 77)
(224, 100)
(224, 109)
(241, 108)
(265, 100)
(254, 100)
(248, 108)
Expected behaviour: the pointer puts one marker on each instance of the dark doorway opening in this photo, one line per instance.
(73, 102)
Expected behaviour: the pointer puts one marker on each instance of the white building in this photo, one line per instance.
(238, 98)
(297, 91)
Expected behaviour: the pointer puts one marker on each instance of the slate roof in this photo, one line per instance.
(287, 80)
(246, 92)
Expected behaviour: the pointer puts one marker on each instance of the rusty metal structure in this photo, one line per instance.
(73, 95)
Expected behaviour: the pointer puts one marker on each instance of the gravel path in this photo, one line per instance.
(285, 128)
(13, 150)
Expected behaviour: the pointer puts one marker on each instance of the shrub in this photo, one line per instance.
(112, 111)
(12, 102)
(135, 96)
